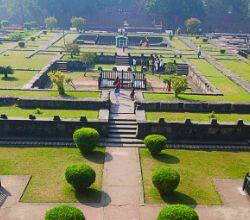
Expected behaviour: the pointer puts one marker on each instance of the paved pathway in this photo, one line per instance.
(123, 198)
(233, 76)
(122, 182)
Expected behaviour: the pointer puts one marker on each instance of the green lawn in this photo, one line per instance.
(17, 80)
(196, 117)
(196, 186)
(49, 94)
(47, 167)
(231, 62)
(231, 91)
(18, 60)
(16, 112)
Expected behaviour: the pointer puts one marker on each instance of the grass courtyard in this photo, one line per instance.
(17, 80)
(16, 112)
(196, 186)
(47, 167)
(49, 94)
(196, 117)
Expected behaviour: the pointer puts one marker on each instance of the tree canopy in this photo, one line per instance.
(220, 14)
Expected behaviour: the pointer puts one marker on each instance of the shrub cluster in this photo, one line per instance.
(86, 139)
(21, 44)
(177, 212)
(222, 51)
(64, 212)
(155, 143)
(205, 40)
(80, 176)
(166, 179)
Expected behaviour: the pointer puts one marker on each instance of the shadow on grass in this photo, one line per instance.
(98, 156)
(166, 158)
(9, 79)
(179, 198)
(93, 197)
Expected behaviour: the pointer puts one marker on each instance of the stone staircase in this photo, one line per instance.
(122, 128)
(62, 66)
(182, 69)
(122, 60)
(122, 131)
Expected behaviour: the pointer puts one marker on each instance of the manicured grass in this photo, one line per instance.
(239, 67)
(16, 112)
(17, 80)
(69, 38)
(49, 94)
(18, 60)
(231, 91)
(197, 170)
(47, 167)
(196, 117)
(230, 62)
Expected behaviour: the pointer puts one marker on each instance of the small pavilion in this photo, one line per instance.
(121, 41)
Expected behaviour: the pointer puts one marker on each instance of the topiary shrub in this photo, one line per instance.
(80, 176)
(155, 143)
(205, 40)
(86, 139)
(222, 51)
(32, 38)
(64, 212)
(177, 212)
(114, 68)
(166, 179)
(21, 44)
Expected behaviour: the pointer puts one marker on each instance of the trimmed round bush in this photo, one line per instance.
(222, 51)
(80, 176)
(177, 212)
(21, 44)
(86, 139)
(64, 212)
(114, 68)
(166, 179)
(155, 143)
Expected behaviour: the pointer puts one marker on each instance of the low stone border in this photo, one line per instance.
(188, 132)
(232, 76)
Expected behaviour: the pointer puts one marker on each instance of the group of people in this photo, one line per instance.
(154, 64)
(118, 85)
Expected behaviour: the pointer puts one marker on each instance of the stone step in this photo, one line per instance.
(122, 131)
(114, 135)
(124, 145)
(124, 117)
(132, 127)
(122, 122)
(124, 140)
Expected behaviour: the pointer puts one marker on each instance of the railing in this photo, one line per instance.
(107, 79)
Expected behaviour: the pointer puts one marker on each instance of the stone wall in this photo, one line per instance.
(174, 106)
(87, 103)
(47, 129)
(202, 132)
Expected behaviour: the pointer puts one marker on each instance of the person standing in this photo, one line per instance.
(117, 91)
(134, 64)
(199, 51)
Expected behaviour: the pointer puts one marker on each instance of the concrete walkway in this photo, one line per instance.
(122, 182)
(122, 197)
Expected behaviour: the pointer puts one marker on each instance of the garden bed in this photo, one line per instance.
(47, 167)
(196, 186)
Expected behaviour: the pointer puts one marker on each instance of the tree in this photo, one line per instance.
(59, 79)
(78, 23)
(179, 85)
(192, 25)
(51, 23)
(73, 49)
(89, 59)
(6, 71)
